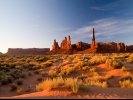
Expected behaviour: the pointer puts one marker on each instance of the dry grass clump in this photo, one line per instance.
(49, 84)
(129, 59)
(95, 60)
(98, 83)
(113, 64)
(58, 82)
(120, 56)
(41, 58)
(70, 70)
(47, 64)
(126, 84)
(20, 91)
(125, 68)
(52, 73)
(72, 84)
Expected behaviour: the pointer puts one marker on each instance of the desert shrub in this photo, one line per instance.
(43, 73)
(96, 75)
(126, 78)
(34, 68)
(29, 73)
(82, 77)
(16, 74)
(126, 84)
(129, 59)
(52, 73)
(109, 77)
(114, 64)
(27, 65)
(72, 84)
(36, 72)
(20, 91)
(13, 87)
(124, 68)
(92, 69)
(23, 76)
(6, 79)
(85, 68)
(50, 84)
(41, 58)
(98, 83)
(47, 64)
(19, 82)
(95, 60)
(39, 79)
(70, 58)
(70, 70)
(82, 64)
(12, 65)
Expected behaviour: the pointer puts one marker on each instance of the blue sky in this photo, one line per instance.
(36, 23)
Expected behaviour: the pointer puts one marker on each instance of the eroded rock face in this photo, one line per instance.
(55, 45)
(35, 51)
(66, 43)
(69, 46)
(121, 47)
(129, 48)
(94, 47)
(82, 46)
(93, 43)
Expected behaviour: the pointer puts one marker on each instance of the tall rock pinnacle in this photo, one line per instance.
(93, 39)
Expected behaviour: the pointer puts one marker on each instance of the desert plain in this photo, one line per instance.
(89, 76)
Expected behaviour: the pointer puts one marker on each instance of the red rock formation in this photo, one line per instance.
(66, 44)
(55, 45)
(94, 47)
(121, 47)
(129, 48)
(93, 44)
(69, 46)
(35, 51)
(82, 46)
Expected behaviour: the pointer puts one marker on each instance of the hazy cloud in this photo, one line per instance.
(106, 28)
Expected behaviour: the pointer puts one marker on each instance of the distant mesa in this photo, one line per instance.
(32, 51)
(95, 47)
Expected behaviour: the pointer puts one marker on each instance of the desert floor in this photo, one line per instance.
(91, 76)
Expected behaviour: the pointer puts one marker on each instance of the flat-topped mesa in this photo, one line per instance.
(55, 45)
(32, 51)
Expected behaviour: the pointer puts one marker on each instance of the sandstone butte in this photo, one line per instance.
(95, 47)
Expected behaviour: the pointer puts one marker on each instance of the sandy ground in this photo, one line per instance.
(113, 92)
(90, 93)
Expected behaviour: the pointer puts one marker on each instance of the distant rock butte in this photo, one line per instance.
(33, 51)
(95, 47)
